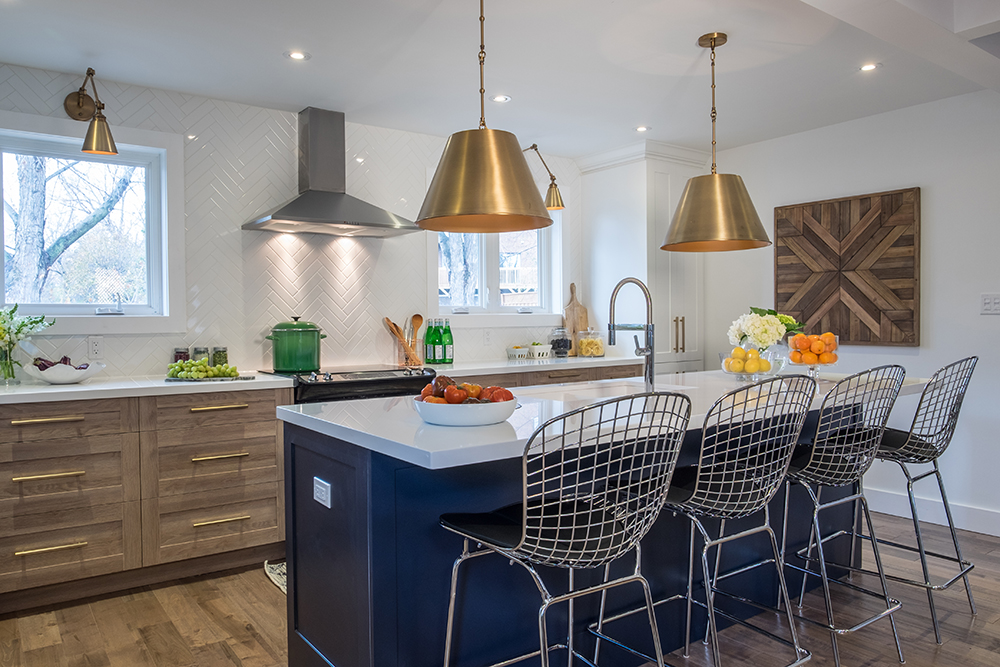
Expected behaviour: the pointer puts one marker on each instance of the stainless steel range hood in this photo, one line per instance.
(323, 206)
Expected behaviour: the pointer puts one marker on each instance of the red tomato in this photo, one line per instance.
(455, 394)
(500, 394)
(485, 394)
(427, 391)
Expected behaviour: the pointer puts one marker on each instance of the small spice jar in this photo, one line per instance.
(199, 353)
(590, 344)
(560, 341)
(181, 354)
(220, 356)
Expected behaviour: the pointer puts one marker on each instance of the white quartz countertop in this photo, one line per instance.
(392, 427)
(124, 387)
(494, 367)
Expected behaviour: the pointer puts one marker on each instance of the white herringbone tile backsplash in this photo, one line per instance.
(240, 161)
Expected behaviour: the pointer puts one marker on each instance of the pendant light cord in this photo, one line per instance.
(713, 105)
(482, 62)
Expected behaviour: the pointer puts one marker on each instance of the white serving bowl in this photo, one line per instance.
(464, 414)
(63, 374)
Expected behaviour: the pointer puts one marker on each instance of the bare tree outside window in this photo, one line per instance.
(74, 231)
(458, 269)
(509, 263)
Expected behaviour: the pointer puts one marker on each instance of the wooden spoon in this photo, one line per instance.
(416, 321)
(412, 359)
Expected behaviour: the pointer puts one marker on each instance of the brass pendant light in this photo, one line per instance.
(715, 212)
(81, 106)
(482, 183)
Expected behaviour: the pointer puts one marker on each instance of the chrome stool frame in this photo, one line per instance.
(747, 442)
(595, 480)
(929, 436)
(842, 448)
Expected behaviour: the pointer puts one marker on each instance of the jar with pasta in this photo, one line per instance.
(590, 344)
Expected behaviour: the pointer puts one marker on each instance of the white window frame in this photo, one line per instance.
(550, 283)
(163, 154)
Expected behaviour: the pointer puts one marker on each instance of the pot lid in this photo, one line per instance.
(295, 325)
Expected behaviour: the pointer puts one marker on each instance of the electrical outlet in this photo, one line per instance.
(95, 347)
(989, 304)
(321, 492)
(487, 337)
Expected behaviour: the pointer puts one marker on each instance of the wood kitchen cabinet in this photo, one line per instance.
(103, 495)
(553, 375)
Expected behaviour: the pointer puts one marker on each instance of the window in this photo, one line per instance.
(493, 273)
(88, 235)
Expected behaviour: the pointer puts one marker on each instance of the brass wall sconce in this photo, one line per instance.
(715, 212)
(553, 200)
(81, 106)
(482, 184)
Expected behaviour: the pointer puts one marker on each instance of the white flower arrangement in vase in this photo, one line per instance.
(13, 330)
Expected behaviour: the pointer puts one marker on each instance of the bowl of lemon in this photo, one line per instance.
(751, 365)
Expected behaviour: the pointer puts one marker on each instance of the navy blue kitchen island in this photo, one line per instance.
(369, 566)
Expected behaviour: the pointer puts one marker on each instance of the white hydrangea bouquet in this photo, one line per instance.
(14, 329)
(761, 328)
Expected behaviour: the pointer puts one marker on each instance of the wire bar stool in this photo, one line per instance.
(595, 480)
(747, 442)
(929, 436)
(837, 454)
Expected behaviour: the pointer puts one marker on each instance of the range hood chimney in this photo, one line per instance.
(323, 206)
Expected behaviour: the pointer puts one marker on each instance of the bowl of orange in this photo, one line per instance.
(814, 350)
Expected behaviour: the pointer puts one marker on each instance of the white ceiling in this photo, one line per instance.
(582, 73)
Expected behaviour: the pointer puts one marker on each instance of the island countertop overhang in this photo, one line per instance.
(391, 426)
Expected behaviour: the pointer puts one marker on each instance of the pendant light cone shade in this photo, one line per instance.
(483, 185)
(553, 200)
(715, 214)
(98, 139)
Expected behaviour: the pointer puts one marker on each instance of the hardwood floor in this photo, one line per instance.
(225, 620)
(238, 619)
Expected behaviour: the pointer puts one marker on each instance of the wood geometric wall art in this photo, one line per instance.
(852, 266)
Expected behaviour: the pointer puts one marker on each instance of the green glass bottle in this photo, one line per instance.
(448, 342)
(439, 341)
(431, 339)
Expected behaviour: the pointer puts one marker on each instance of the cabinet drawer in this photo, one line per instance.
(615, 372)
(215, 409)
(25, 422)
(198, 524)
(48, 475)
(556, 376)
(179, 461)
(53, 547)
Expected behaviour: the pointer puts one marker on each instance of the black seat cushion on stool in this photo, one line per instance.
(893, 440)
(568, 523)
(682, 485)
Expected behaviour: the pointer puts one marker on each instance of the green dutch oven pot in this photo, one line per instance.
(295, 346)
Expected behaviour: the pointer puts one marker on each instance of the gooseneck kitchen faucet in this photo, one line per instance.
(647, 351)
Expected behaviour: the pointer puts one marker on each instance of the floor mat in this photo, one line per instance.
(276, 572)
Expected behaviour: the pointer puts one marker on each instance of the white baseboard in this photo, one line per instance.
(976, 519)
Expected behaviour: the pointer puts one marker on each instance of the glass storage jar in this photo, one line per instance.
(199, 353)
(560, 341)
(590, 344)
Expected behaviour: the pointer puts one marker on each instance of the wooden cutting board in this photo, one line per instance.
(574, 318)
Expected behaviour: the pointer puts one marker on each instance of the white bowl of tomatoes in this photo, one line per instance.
(446, 403)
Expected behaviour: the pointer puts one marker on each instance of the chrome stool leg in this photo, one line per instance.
(881, 570)
(954, 535)
(464, 556)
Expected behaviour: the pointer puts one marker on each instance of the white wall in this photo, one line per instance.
(951, 150)
(240, 161)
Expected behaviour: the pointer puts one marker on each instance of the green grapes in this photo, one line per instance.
(198, 370)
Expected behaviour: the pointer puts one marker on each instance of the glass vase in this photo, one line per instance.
(7, 365)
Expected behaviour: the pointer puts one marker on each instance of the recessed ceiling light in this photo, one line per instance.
(643, 128)
(501, 99)
(870, 66)
(297, 55)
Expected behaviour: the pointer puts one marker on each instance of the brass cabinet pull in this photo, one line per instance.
(196, 459)
(47, 420)
(239, 406)
(43, 550)
(215, 521)
(51, 475)
(683, 335)
(677, 336)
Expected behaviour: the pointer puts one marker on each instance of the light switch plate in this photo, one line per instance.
(321, 492)
(989, 304)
